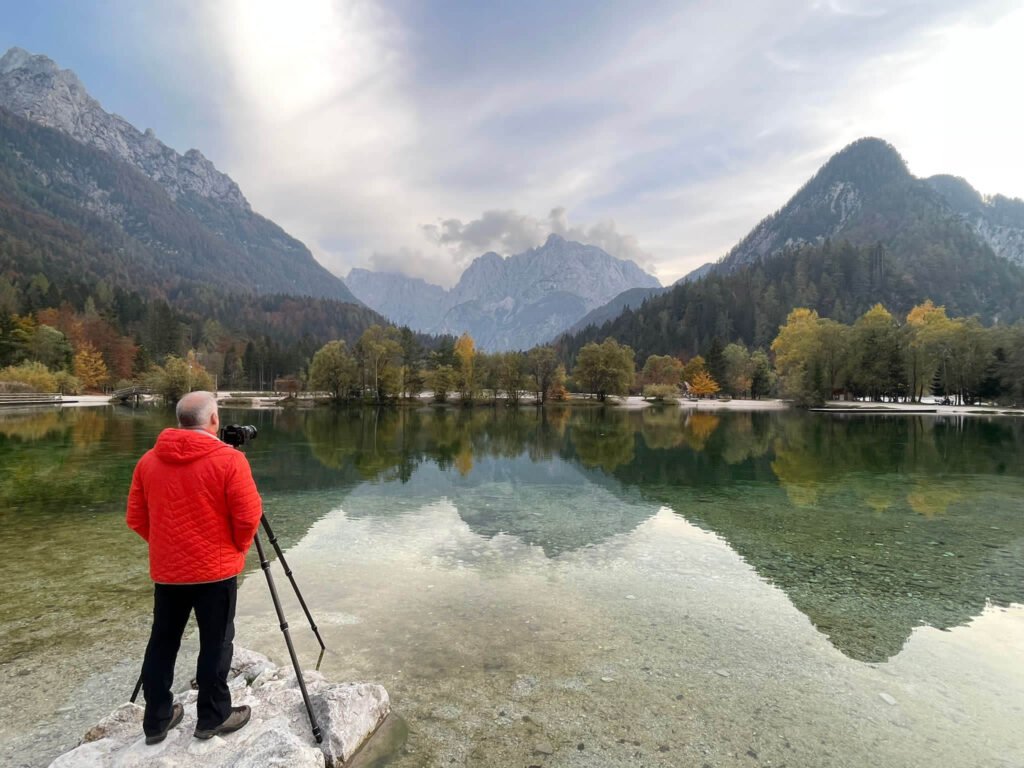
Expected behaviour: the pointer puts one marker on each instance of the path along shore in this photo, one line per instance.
(636, 403)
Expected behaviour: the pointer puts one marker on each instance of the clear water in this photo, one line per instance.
(572, 588)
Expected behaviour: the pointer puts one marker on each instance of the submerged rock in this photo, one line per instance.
(278, 734)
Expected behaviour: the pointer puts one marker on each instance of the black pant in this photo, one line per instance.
(214, 604)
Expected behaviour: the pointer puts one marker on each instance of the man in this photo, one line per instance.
(194, 501)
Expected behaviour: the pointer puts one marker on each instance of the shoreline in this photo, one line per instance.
(631, 403)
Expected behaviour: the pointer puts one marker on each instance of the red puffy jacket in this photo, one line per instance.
(194, 500)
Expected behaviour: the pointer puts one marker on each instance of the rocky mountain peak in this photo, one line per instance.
(34, 87)
(867, 163)
(19, 58)
(509, 302)
(958, 193)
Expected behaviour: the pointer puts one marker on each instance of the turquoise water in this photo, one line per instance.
(574, 587)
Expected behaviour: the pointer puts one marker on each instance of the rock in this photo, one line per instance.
(122, 721)
(249, 663)
(348, 714)
(543, 747)
(278, 734)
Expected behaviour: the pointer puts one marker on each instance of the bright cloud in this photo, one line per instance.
(414, 137)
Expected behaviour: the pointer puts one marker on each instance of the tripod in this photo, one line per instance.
(265, 565)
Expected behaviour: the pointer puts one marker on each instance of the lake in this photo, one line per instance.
(568, 587)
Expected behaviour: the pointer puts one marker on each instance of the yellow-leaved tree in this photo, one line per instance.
(703, 384)
(90, 370)
(465, 357)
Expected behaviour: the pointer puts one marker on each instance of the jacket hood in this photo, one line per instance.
(182, 446)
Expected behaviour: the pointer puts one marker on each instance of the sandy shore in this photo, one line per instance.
(926, 408)
(79, 401)
(636, 403)
(736, 404)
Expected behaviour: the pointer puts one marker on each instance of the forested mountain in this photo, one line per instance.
(152, 217)
(863, 230)
(838, 280)
(864, 194)
(997, 220)
(630, 299)
(507, 303)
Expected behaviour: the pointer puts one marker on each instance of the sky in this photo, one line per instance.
(412, 136)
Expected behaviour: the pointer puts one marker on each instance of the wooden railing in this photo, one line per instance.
(30, 398)
(127, 393)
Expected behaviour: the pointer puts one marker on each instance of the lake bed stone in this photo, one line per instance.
(279, 732)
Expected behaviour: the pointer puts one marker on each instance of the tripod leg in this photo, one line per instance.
(291, 578)
(265, 565)
(138, 687)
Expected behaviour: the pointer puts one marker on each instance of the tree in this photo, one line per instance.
(90, 369)
(876, 357)
(512, 377)
(50, 347)
(703, 385)
(835, 340)
(442, 382)
(178, 377)
(605, 369)
(412, 362)
(1010, 366)
(542, 364)
(923, 356)
(380, 350)
(762, 377)
(715, 360)
(465, 356)
(691, 368)
(334, 369)
(34, 375)
(661, 369)
(738, 369)
(661, 377)
(798, 358)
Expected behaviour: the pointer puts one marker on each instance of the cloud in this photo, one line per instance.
(352, 124)
(508, 232)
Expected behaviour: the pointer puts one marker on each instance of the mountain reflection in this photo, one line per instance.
(871, 525)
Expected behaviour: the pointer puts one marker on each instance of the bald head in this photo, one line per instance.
(198, 410)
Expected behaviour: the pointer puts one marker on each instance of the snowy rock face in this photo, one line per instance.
(1005, 241)
(279, 732)
(997, 220)
(506, 303)
(35, 88)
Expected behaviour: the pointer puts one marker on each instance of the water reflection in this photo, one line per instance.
(871, 525)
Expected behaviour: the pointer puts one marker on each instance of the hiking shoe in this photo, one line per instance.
(176, 714)
(239, 716)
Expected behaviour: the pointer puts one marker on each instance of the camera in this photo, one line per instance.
(238, 435)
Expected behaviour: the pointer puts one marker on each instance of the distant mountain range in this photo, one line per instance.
(157, 219)
(506, 303)
(88, 203)
(862, 230)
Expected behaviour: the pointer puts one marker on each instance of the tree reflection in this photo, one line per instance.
(871, 525)
(661, 428)
(699, 428)
(601, 439)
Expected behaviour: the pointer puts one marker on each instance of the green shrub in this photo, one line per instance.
(35, 375)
